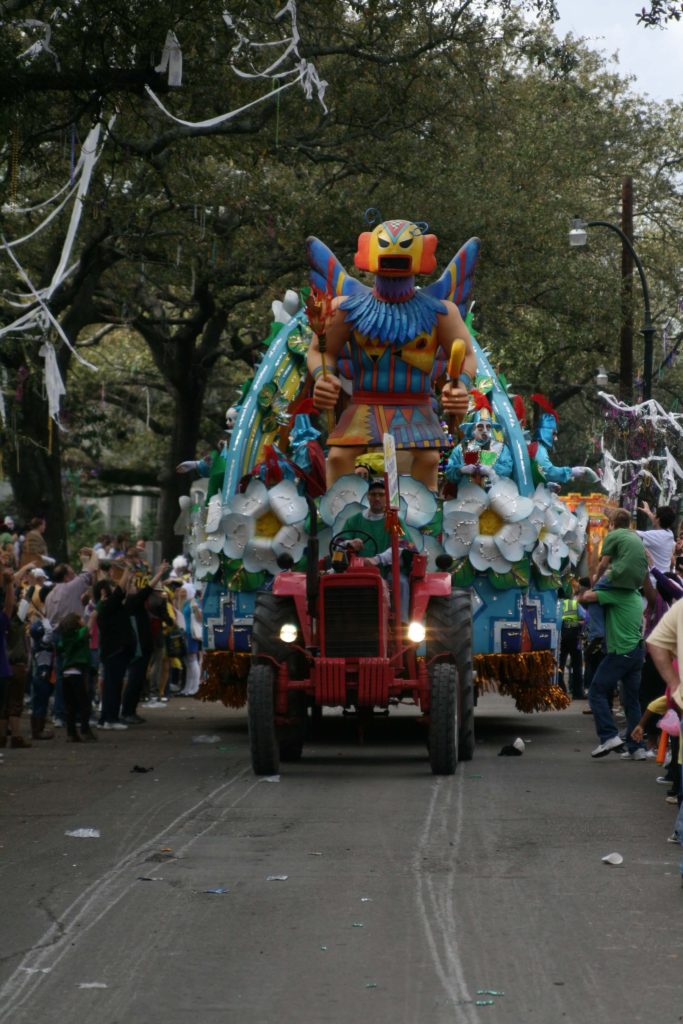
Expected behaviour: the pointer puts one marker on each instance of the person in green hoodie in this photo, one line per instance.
(73, 644)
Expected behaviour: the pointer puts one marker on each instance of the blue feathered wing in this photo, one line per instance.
(455, 284)
(327, 273)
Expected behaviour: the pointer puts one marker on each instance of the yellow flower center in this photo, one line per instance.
(490, 522)
(267, 525)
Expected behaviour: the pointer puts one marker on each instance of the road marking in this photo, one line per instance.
(67, 931)
(435, 897)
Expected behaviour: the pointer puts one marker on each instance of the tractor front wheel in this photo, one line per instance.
(265, 759)
(443, 719)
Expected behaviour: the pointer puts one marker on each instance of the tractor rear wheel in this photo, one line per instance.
(449, 632)
(443, 719)
(265, 759)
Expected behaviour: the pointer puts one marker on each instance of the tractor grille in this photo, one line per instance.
(351, 622)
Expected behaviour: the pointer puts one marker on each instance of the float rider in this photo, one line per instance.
(545, 436)
(479, 455)
(393, 333)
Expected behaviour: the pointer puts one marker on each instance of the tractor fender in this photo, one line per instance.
(434, 584)
(293, 584)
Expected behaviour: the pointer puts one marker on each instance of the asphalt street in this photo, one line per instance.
(356, 888)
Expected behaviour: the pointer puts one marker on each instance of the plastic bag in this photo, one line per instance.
(670, 723)
(174, 642)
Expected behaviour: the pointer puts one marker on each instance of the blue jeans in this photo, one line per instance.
(112, 685)
(41, 690)
(612, 668)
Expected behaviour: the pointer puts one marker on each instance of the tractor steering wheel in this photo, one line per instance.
(354, 534)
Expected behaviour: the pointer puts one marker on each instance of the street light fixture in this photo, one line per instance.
(579, 236)
(602, 379)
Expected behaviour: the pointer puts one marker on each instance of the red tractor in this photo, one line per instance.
(333, 637)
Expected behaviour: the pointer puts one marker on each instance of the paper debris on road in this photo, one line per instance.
(93, 984)
(613, 858)
(206, 739)
(83, 833)
(270, 778)
(217, 891)
(277, 878)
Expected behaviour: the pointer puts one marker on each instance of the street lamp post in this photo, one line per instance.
(579, 236)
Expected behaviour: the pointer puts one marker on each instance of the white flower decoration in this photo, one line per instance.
(262, 524)
(553, 520)
(492, 528)
(575, 537)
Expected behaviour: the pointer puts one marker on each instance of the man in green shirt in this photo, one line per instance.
(372, 522)
(623, 661)
(623, 557)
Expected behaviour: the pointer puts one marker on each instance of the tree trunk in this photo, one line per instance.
(33, 466)
(183, 446)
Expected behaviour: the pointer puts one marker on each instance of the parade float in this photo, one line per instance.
(511, 541)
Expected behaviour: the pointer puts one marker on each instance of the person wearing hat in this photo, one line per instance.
(480, 455)
(545, 436)
(370, 521)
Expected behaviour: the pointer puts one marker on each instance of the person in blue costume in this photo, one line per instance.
(479, 455)
(394, 333)
(545, 435)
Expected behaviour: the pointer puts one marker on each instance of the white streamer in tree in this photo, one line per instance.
(54, 385)
(171, 60)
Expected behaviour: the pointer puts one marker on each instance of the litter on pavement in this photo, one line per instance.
(217, 891)
(270, 778)
(92, 984)
(83, 833)
(277, 878)
(206, 739)
(613, 858)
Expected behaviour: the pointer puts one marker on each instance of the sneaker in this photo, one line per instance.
(673, 838)
(620, 714)
(113, 725)
(156, 704)
(662, 780)
(613, 743)
(132, 719)
(636, 755)
(650, 754)
(671, 799)
(58, 723)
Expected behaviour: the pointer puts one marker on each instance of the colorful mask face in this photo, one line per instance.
(482, 432)
(479, 427)
(546, 431)
(396, 248)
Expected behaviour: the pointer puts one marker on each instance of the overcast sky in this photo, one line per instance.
(655, 56)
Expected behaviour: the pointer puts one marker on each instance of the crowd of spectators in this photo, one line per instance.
(623, 638)
(87, 647)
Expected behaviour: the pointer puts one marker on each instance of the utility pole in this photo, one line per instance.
(626, 333)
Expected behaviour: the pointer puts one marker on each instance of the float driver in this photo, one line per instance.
(372, 522)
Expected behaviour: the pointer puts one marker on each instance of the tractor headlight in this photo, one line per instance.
(288, 633)
(416, 632)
